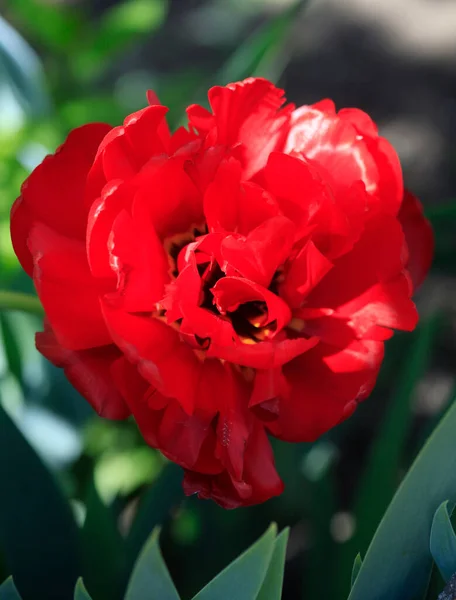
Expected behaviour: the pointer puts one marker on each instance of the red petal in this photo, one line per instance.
(54, 193)
(248, 113)
(368, 286)
(259, 482)
(303, 274)
(90, 372)
(230, 292)
(169, 200)
(419, 237)
(114, 198)
(67, 290)
(325, 386)
(140, 262)
(262, 355)
(147, 132)
(349, 150)
(301, 192)
(221, 201)
(258, 255)
(159, 353)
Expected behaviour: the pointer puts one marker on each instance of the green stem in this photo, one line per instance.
(19, 301)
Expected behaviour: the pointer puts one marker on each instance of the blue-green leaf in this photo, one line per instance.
(80, 592)
(243, 578)
(150, 578)
(443, 542)
(104, 557)
(8, 590)
(263, 54)
(273, 582)
(356, 567)
(154, 508)
(21, 72)
(381, 475)
(397, 564)
(38, 535)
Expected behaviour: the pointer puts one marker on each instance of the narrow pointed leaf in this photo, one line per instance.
(150, 578)
(21, 72)
(8, 590)
(154, 509)
(243, 578)
(398, 559)
(38, 534)
(443, 542)
(263, 54)
(80, 592)
(10, 345)
(273, 582)
(104, 553)
(356, 567)
(381, 475)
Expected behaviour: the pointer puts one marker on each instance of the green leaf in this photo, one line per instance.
(273, 582)
(10, 345)
(125, 22)
(155, 508)
(243, 578)
(54, 25)
(443, 542)
(21, 72)
(356, 567)
(264, 53)
(398, 562)
(104, 557)
(38, 535)
(80, 592)
(150, 578)
(381, 475)
(8, 590)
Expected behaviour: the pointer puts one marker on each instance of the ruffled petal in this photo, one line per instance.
(170, 200)
(348, 148)
(67, 290)
(259, 481)
(89, 371)
(158, 352)
(366, 289)
(54, 192)
(247, 113)
(325, 386)
(419, 237)
(230, 292)
(258, 255)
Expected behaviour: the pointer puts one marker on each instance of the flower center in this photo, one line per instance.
(210, 301)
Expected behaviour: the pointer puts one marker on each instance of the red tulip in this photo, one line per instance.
(229, 280)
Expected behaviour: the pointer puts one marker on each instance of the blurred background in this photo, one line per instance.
(66, 62)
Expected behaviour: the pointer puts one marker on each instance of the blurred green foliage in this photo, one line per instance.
(63, 64)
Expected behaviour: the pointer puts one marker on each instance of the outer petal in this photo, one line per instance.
(248, 113)
(259, 482)
(325, 386)
(54, 193)
(67, 290)
(367, 288)
(347, 147)
(89, 371)
(419, 237)
(158, 352)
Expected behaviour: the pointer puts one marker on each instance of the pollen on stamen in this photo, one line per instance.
(296, 324)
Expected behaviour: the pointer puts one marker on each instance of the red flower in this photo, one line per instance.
(230, 280)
